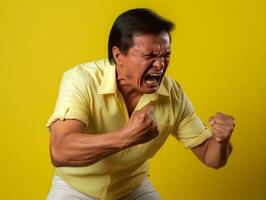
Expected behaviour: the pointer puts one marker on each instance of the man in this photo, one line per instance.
(112, 116)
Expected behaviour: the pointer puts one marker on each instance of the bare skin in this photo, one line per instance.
(213, 153)
(69, 146)
(150, 54)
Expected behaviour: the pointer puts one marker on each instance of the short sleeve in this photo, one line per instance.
(72, 100)
(189, 129)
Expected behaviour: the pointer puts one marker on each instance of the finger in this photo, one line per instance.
(223, 127)
(224, 115)
(147, 108)
(136, 112)
(147, 121)
(224, 122)
(211, 120)
(137, 115)
(219, 134)
(221, 118)
(151, 114)
(148, 113)
(223, 130)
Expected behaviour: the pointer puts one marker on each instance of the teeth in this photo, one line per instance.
(151, 82)
(152, 78)
(153, 74)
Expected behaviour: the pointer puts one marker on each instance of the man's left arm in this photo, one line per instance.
(215, 151)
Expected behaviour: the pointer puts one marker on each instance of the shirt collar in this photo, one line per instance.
(109, 86)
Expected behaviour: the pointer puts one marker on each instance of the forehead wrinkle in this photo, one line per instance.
(158, 45)
(156, 49)
(160, 51)
(139, 50)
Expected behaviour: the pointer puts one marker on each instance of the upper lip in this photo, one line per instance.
(158, 75)
(154, 73)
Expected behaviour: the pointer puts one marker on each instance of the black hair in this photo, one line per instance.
(139, 20)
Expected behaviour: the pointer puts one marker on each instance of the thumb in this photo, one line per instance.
(211, 120)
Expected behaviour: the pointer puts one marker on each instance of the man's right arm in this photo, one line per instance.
(71, 146)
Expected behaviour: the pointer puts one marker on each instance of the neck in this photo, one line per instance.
(124, 85)
(131, 96)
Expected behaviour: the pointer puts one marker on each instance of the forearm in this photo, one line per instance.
(80, 149)
(71, 146)
(217, 154)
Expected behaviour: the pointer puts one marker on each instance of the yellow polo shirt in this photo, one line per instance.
(89, 93)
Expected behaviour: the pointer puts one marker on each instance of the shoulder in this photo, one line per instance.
(87, 71)
(173, 87)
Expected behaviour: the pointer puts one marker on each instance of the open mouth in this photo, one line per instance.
(153, 79)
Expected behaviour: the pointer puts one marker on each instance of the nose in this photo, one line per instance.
(159, 64)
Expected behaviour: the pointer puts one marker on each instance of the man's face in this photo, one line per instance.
(145, 63)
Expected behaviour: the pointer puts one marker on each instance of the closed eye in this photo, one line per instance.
(149, 56)
(167, 55)
(154, 56)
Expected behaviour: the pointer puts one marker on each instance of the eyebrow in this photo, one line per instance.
(151, 53)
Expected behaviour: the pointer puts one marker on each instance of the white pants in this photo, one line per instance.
(60, 190)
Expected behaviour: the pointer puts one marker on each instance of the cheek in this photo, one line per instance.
(130, 69)
(135, 69)
(143, 68)
(133, 74)
(139, 70)
(138, 74)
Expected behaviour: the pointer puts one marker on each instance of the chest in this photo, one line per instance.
(109, 113)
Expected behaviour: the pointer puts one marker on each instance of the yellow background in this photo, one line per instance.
(218, 57)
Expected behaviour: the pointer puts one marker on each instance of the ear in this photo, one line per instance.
(117, 54)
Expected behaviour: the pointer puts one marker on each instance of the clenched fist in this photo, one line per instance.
(141, 127)
(222, 126)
